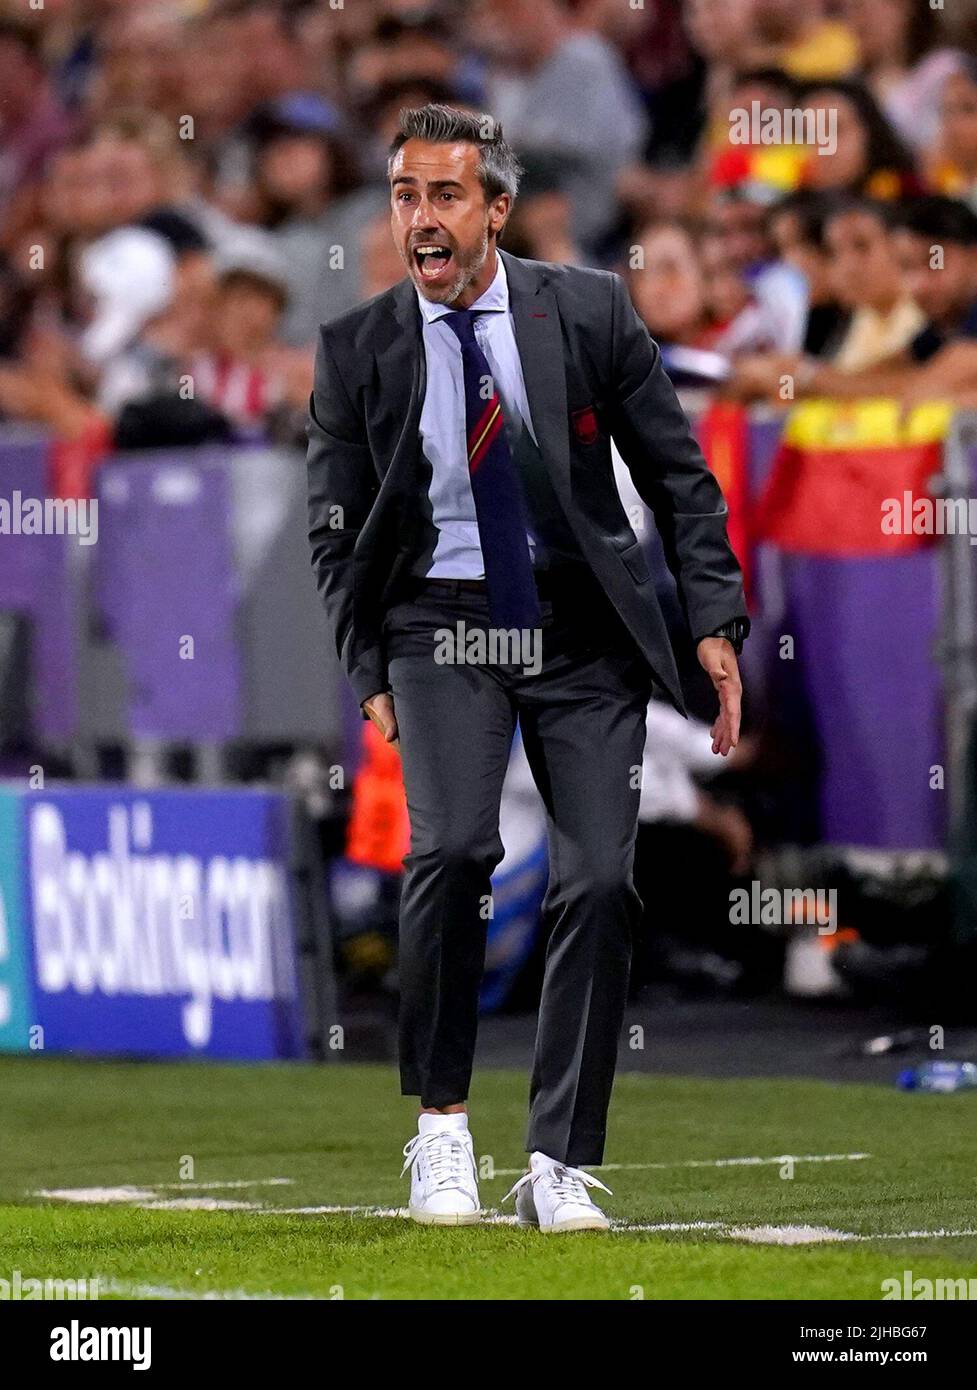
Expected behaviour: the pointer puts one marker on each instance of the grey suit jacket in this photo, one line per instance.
(592, 373)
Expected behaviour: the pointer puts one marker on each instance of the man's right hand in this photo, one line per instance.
(380, 709)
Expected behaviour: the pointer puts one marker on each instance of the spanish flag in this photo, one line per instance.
(842, 475)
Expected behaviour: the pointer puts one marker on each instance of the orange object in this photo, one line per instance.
(378, 834)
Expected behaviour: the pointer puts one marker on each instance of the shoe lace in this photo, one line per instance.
(569, 1184)
(448, 1158)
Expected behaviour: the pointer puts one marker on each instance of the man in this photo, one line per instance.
(461, 493)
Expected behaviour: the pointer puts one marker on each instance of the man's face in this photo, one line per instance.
(941, 290)
(438, 206)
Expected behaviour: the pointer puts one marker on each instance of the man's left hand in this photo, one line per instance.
(718, 659)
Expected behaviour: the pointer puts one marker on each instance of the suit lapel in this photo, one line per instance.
(401, 368)
(536, 324)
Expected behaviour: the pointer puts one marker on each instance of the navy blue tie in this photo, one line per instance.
(499, 507)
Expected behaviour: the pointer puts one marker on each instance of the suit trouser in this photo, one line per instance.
(582, 718)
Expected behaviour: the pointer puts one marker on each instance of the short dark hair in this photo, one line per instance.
(844, 204)
(939, 218)
(499, 171)
(812, 211)
(26, 36)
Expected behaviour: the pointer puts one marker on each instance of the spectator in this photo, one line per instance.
(955, 161)
(803, 40)
(126, 281)
(236, 374)
(666, 285)
(564, 90)
(379, 257)
(774, 310)
(33, 124)
(133, 166)
(904, 62)
(797, 228)
(936, 242)
(541, 224)
(867, 156)
(415, 44)
(304, 177)
(867, 279)
(756, 172)
(122, 286)
(762, 311)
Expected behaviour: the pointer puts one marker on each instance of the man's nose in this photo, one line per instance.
(424, 215)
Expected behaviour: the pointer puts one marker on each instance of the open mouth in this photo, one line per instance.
(431, 260)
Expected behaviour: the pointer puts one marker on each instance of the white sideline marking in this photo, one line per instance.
(756, 1235)
(699, 1163)
(214, 1186)
(669, 1226)
(96, 1194)
(148, 1194)
(489, 1217)
(817, 1235)
(943, 1233)
(199, 1204)
(787, 1235)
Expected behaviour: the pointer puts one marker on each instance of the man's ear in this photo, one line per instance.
(499, 213)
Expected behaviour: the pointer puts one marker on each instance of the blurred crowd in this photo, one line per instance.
(189, 187)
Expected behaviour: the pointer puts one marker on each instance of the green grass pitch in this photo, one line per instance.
(334, 1133)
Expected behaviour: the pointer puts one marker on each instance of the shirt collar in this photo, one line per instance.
(495, 299)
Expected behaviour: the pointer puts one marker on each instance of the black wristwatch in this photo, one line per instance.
(735, 631)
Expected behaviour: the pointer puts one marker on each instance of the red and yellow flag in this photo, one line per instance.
(843, 469)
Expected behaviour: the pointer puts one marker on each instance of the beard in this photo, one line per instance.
(466, 269)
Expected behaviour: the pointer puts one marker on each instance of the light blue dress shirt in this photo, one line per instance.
(444, 437)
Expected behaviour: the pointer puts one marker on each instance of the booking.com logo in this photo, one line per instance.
(130, 920)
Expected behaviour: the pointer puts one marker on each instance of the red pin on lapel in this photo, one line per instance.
(585, 424)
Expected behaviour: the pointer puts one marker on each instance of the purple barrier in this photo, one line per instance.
(864, 667)
(864, 633)
(168, 594)
(35, 579)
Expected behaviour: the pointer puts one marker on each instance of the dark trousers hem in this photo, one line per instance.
(435, 1096)
(579, 1153)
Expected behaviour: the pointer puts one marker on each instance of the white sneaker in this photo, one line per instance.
(554, 1197)
(443, 1180)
